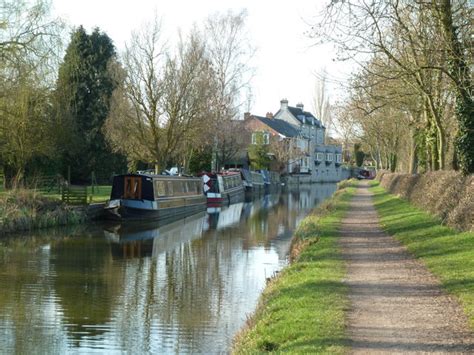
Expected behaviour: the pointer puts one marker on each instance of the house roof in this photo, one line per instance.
(299, 114)
(282, 127)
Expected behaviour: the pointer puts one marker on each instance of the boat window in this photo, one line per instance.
(133, 187)
(178, 188)
(170, 188)
(160, 188)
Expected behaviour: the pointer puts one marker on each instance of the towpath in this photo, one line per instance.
(396, 304)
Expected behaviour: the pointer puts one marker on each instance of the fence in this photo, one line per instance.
(74, 194)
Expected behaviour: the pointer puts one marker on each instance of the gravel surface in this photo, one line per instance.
(397, 305)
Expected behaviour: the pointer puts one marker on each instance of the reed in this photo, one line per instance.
(24, 210)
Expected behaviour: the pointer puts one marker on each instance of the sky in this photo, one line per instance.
(285, 61)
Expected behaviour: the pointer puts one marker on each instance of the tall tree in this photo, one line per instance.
(416, 44)
(84, 88)
(230, 52)
(321, 103)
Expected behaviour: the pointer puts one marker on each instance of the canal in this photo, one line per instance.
(183, 287)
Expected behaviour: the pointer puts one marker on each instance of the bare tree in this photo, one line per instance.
(321, 100)
(160, 112)
(408, 41)
(285, 151)
(229, 52)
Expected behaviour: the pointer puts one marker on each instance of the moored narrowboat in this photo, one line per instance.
(223, 188)
(159, 197)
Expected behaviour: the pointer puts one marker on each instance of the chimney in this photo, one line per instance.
(246, 115)
(300, 106)
(284, 104)
(269, 115)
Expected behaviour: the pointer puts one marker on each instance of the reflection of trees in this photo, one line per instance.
(191, 291)
(86, 284)
(29, 311)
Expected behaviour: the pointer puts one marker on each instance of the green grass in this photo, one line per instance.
(447, 253)
(303, 309)
(101, 193)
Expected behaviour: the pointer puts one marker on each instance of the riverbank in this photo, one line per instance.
(305, 309)
(24, 210)
(302, 309)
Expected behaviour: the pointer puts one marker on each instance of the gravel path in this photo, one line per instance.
(397, 305)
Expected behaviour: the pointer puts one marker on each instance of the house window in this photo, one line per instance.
(260, 138)
(319, 156)
(338, 158)
(329, 157)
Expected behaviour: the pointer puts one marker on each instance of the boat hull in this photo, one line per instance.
(157, 211)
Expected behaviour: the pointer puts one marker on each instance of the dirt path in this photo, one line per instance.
(397, 306)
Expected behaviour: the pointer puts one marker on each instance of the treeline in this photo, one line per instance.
(83, 107)
(411, 102)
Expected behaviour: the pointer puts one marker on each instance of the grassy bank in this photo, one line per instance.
(22, 210)
(302, 310)
(447, 253)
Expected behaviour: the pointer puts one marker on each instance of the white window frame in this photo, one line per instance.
(329, 157)
(319, 156)
(338, 158)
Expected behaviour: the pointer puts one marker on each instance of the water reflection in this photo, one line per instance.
(186, 286)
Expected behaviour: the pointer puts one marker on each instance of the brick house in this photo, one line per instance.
(316, 161)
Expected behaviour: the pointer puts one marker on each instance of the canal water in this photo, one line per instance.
(183, 287)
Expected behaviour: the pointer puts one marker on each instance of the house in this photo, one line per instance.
(313, 160)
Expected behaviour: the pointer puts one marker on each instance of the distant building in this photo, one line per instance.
(315, 161)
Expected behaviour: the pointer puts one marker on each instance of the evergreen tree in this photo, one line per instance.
(84, 89)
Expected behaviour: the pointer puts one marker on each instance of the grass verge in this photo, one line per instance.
(447, 253)
(302, 309)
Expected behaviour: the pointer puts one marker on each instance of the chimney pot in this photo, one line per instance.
(269, 115)
(246, 115)
(300, 106)
(284, 104)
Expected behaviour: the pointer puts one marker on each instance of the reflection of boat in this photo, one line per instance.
(133, 239)
(225, 187)
(143, 196)
(220, 218)
(253, 181)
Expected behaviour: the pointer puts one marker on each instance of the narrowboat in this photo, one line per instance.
(258, 183)
(158, 197)
(223, 188)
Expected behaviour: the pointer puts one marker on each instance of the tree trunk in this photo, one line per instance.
(460, 73)
(413, 168)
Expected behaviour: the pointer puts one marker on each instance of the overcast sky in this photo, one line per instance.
(285, 59)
